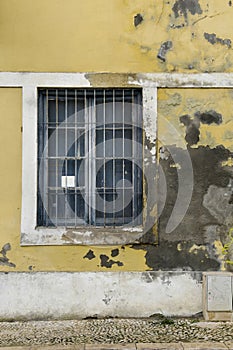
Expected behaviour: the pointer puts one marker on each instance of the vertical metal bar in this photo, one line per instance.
(56, 154)
(46, 189)
(89, 160)
(133, 153)
(66, 158)
(104, 155)
(93, 160)
(75, 157)
(114, 159)
(87, 175)
(123, 153)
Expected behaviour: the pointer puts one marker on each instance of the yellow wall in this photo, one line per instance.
(173, 103)
(100, 36)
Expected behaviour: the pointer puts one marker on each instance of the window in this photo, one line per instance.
(89, 157)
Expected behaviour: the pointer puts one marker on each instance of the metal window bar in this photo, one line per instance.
(111, 123)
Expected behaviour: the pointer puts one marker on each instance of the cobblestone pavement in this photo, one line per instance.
(137, 333)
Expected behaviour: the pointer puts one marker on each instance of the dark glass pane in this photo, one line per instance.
(118, 172)
(52, 170)
(99, 173)
(109, 174)
(52, 112)
(52, 142)
(108, 143)
(119, 143)
(100, 143)
(70, 142)
(80, 171)
(80, 205)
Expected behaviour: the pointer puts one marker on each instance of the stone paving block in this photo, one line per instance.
(229, 344)
(204, 346)
(110, 347)
(159, 346)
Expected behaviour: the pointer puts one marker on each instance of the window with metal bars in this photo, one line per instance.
(89, 157)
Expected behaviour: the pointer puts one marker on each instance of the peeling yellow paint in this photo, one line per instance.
(73, 36)
(228, 162)
(174, 103)
(179, 247)
(176, 165)
(219, 251)
(195, 248)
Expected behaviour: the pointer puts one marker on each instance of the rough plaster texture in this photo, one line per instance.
(78, 295)
(122, 36)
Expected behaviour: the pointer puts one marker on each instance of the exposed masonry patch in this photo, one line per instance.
(207, 170)
(138, 19)
(167, 257)
(107, 262)
(166, 46)
(90, 255)
(182, 7)
(193, 124)
(4, 259)
(213, 39)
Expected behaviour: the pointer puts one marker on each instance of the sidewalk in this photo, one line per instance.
(137, 346)
(117, 334)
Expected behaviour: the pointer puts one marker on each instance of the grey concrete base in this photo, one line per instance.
(63, 295)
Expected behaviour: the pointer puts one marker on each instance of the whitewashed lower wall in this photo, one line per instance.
(57, 295)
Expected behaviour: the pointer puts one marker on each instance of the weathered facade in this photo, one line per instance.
(179, 53)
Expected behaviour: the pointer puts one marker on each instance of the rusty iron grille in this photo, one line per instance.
(89, 157)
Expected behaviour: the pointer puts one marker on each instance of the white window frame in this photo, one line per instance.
(30, 82)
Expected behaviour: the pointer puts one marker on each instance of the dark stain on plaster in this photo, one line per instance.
(167, 257)
(192, 129)
(90, 255)
(4, 259)
(230, 3)
(193, 124)
(207, 171)
(182, 7)
(114, 252)
(213, 39)
(164, 48)
(191, 245)
(209, 117)
(105, 261)
(138, 19)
